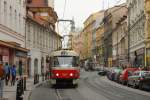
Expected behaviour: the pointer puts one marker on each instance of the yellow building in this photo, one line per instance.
(88, 32)
(147, 30)
(100, 43)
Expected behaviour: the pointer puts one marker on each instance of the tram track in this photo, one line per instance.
(61, 95)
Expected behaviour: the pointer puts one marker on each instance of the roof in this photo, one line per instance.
(102, 11)
(64, 53)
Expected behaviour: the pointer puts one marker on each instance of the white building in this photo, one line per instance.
(136, 22)
(12, 21)
(12, 34)
(41, 38)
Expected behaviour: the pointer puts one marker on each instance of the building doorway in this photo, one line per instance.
(35, 66)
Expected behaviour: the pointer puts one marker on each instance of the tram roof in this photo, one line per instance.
(64, 53)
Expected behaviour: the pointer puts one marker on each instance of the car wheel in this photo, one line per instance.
(128, 84)
(134, 85)
(141, 86)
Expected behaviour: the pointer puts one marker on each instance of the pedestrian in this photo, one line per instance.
(7, 73)
(2, 77)
(13, 74)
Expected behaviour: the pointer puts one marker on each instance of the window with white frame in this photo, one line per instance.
(5, 13)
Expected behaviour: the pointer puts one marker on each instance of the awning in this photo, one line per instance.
(13, 45)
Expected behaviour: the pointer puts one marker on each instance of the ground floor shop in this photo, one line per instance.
(137, 58)
(13, 54)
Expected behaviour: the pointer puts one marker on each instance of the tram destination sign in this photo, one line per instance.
(64, 53)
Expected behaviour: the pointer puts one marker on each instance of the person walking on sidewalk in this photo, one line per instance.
(13, 74)
(2, 76)
(7, 73)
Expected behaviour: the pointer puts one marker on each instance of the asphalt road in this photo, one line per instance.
(91, 87)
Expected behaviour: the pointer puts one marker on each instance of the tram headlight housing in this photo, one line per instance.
(71, 74)
(57, 74)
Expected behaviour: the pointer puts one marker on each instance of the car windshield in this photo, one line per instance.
(65, 61)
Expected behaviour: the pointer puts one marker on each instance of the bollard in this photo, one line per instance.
(22, 86)
(42, 77)
(38, 78)
(35, 79)
(25, 84)
(19, 91)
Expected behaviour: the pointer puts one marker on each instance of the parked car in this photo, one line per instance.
(113, 73)
(125, 74)
(117, 74)
(102, 72)
(139, 79)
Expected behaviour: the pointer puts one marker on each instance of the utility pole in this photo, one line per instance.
(72, 29)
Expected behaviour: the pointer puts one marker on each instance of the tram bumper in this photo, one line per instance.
(53, 81)
(75, 81)
(64, 81)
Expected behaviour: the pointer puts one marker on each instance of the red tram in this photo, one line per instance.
(64, 67)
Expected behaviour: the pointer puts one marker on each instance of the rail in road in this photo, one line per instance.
(91, 87)
(61, 95)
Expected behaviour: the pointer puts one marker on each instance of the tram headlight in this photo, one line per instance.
(71, 74)
(57, 74)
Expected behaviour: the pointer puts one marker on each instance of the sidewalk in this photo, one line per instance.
(10, 91)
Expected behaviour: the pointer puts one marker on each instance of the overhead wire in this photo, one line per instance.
(64, 8)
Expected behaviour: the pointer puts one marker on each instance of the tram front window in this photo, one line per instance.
(65, 61)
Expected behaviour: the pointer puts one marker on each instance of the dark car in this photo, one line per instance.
(139, 79)
(113, 73)
(125, 74)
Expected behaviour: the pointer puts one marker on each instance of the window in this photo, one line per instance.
(5, 12)
(10, 18)
(15, 19)
(20, 24)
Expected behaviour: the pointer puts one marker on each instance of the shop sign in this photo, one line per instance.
(140, 51)
(5, 59)
(21, 54)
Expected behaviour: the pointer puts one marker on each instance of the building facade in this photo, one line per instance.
(136, 24)
(89, 32)
(12, 34)
(111, 17)
(120, 43)
(147, 32)
(41, 38)
(98, 32)
(12, 21)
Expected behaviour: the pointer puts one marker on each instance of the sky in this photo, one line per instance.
(81, 9)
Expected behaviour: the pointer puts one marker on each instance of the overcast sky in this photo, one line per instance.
(81, 9)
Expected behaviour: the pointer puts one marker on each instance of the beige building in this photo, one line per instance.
(147, 32)
(12, 21)
(120, 42)
(90, 35)
(41, 38)
(98, 33)
(136, 22)
(12, 34)
(111, 17)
